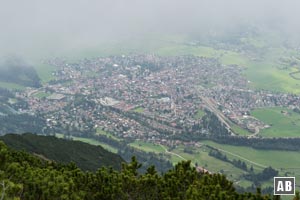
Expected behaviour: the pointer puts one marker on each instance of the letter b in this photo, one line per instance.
(288, 186)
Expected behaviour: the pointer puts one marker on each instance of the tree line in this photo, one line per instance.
(24, 176)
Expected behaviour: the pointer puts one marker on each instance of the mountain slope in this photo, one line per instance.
(24, 176)
(85, 156)
(15, 71)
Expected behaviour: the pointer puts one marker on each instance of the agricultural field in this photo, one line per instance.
(148, 147)
(284, 161)
(283, 122)
(201, 157)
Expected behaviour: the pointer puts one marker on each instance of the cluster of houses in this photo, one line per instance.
(147, 96)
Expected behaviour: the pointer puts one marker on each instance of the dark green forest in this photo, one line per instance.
(85, 156)
(26, 176)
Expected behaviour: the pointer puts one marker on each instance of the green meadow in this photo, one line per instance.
(45, 71)
(147, 146)
(283, 122)
(199, 114)
(139, 110)
(276, 159)
(238, 130)
(286, 162)
(41, 94)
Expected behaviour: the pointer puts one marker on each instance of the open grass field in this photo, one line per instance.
(44, 71)
(233, 58)
(139, 110)
(199, 156)
(180, 49)
(283, 122)
(199, 114)
(283, 161)
(238, 130)
(276, 159)
(266, 74)
(41, 94)
(147, 147)
(214, 165)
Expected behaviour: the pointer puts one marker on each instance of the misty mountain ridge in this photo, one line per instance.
(15, 70)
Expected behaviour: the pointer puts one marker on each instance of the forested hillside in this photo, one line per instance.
(24, 176)
(85, 156)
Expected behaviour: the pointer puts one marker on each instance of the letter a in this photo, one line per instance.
(280, 186)
(288, 186)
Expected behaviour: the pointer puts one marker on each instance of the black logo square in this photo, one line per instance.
(284, 185)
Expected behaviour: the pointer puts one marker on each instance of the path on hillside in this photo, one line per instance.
(233, 154)
(169, 152)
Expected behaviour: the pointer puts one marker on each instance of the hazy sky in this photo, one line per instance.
(58, 24)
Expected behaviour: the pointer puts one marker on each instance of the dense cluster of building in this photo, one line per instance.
(147, 96)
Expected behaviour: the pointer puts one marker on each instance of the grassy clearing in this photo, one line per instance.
(199, 114)
(201, 157)
(266, 75)
(231, 58)
(283, 161)
(12, 100)
(284, 122)
(41, 94)
(45, 71)
(139, 110)
(147, 147)
(276, 159)
(179, 49)
(239, 130)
